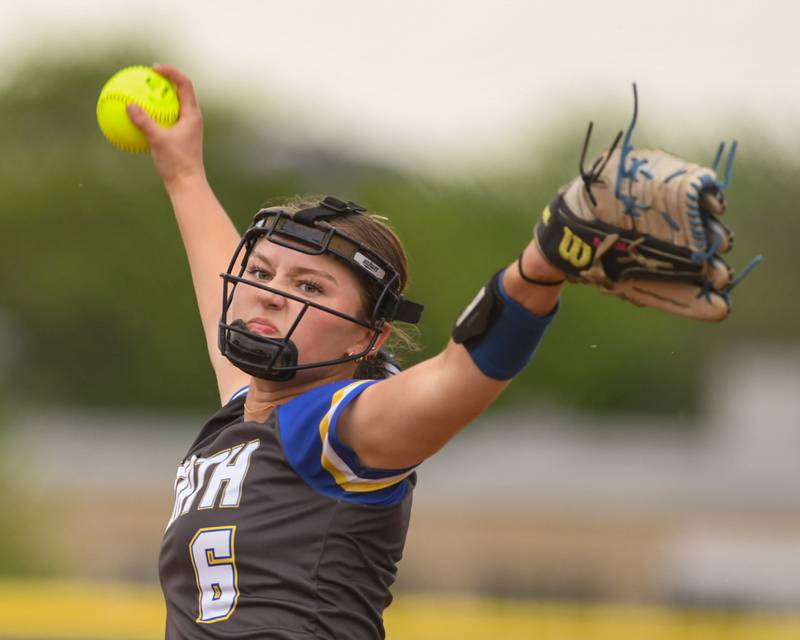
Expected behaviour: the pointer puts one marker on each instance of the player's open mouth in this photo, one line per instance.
(262, 327)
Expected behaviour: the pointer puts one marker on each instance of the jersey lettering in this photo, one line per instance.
(202, 465)
(231, 473)
(184, 486)
(226, 469)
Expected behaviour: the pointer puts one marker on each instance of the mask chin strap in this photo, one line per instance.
(264, 358)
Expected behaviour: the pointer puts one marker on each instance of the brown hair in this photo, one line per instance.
(375, 232)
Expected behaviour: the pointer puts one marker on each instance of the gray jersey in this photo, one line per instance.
(278, 531)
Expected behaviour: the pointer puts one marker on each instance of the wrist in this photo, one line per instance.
(500, 332)
(535, 265)
(186, 180)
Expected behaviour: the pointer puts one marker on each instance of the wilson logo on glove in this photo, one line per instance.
(574, 250)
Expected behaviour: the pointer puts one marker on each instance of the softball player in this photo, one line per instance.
(292, 505)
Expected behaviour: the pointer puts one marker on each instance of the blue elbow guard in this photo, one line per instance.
(500, 334)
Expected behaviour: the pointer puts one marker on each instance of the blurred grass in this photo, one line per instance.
(94, 611)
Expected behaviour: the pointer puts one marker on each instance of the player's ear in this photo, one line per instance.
(359, 346)
(387, 331)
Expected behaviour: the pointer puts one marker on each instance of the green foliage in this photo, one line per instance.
(94, 281)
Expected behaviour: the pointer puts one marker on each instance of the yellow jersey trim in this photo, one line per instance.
(345, 477)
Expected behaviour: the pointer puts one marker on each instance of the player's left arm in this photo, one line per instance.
(408, 417)
(640, 224)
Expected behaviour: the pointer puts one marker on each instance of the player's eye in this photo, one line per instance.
(309, 287)
(259, 274)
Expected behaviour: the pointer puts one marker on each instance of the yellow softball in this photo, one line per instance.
(139, 85)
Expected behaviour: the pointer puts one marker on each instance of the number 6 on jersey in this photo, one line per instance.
(214, 562)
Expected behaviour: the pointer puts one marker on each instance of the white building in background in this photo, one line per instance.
(533, 504)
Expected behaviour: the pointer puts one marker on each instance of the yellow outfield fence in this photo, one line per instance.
(57, 610)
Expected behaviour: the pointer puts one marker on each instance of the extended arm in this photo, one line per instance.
(410, 416)
(208, 234)
(641, 224)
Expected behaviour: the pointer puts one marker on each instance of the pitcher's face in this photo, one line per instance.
(319, 336)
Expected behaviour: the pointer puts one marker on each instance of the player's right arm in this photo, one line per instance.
(208, 234)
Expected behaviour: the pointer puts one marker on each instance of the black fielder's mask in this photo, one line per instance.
(308, 232)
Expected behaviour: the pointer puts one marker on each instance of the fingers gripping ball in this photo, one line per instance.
(144, 87)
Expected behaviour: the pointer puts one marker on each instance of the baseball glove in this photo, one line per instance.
(644, 225)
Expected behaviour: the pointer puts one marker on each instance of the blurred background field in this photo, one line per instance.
(638, 480)
(125, 612)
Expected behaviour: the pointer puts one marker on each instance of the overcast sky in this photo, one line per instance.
(455, 82)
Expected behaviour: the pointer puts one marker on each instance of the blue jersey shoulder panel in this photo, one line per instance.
(308, 433)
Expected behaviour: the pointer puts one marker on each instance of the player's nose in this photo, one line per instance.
(272, 299)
